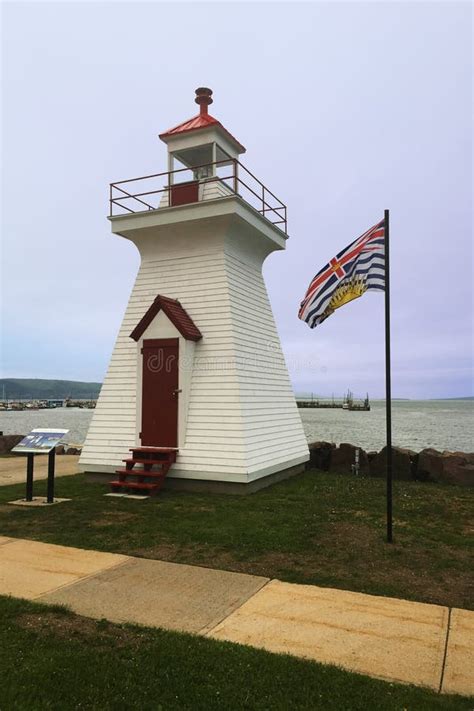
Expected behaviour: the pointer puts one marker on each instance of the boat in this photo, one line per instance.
(349, 403)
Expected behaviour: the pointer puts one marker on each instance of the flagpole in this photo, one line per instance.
(388, 383)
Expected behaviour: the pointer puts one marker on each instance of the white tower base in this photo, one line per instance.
(238, 423)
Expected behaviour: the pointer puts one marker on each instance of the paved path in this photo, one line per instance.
(13, 469)
(391, 639)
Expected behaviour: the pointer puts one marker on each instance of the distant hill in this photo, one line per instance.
(36, 389)
(466, 397)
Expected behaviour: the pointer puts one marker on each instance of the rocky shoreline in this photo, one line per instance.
(428, 465)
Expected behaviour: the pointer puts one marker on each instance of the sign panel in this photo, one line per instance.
(40, 441)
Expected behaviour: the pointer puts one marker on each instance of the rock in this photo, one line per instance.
(402, 463)
(323, 445)
(73, 450)
(446, 467)
(320, 454)
(7, 442)
(430, 465)
(60, 449)
(458, 468)
(343, 458)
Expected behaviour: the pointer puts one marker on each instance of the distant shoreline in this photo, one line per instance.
(304, 396)
(44, 388)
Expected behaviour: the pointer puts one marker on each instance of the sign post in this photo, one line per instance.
(40, 441)
(51, 467)
(29, 476)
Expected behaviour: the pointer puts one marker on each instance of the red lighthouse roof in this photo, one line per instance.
(202, 120)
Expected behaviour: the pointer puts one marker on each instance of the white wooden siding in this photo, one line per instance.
(272, 424)
(242, 417)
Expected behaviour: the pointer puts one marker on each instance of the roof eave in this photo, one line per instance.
(168, 136)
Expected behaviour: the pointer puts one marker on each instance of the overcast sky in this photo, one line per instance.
(345, 109)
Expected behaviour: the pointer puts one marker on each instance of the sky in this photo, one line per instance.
(345, 108)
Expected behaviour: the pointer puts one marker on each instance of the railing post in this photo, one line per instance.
(214, 160)
(110, 200)
(170, 176)
(236, 176)
(263, 200)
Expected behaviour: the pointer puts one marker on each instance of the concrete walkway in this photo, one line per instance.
(13, 469)
(396, 640)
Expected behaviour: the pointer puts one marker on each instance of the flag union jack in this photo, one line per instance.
(357, 268)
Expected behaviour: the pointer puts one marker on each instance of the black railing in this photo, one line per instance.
(125, 198)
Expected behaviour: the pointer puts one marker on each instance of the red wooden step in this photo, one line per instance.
(155, 453)
(165, 465)
(141, 472)
(160, 462)
(149, 450)
(145, 478)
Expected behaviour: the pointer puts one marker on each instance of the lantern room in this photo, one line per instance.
(202, 143)
(203, 165)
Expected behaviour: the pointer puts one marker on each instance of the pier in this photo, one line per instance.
(346, 403)
(20, 405)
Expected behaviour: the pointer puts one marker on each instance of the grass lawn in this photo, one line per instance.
(53, 659)
(318, 528)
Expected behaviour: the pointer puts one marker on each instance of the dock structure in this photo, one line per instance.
(50, 404)
(346, 403)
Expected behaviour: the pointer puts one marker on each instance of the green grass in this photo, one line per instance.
(318, 528)
(53, 659)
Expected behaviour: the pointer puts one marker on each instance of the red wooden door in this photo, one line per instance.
(160, 393)
(184, 193)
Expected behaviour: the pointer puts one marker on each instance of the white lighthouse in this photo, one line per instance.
(197, 371)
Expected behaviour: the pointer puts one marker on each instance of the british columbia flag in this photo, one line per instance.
(354, 270)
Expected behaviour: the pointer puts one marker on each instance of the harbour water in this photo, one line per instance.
(441, 424)
(416, 424)
(74, 419)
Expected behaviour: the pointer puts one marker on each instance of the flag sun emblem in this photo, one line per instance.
(347, 291)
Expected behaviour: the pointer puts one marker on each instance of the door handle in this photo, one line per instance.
(177, 391)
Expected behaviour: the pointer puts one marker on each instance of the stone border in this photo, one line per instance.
(428, 465)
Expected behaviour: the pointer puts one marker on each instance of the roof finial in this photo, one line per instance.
(203, 98)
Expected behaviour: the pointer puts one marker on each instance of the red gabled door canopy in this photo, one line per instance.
(176, 314)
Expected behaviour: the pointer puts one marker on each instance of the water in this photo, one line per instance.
(74, 419)
(416, 424)
(442, 424)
